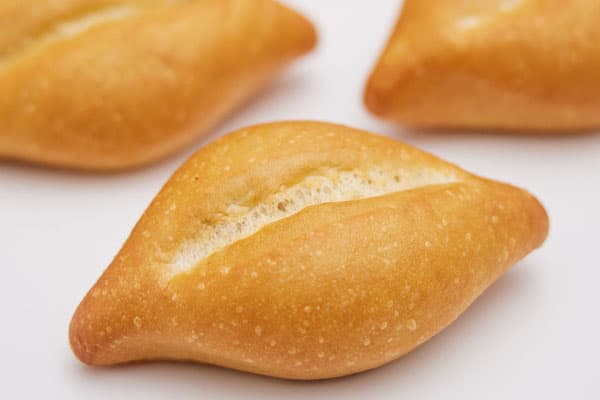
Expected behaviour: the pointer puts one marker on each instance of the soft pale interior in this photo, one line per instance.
(84, 22)
(484, 13)
(332, 186)
(75, 25)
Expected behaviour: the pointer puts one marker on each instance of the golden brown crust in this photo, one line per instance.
(332, 289)
(499, 64)
(146, 79)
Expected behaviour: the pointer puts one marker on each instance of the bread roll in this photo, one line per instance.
(304, 250)
(111, 84)
(497, 64)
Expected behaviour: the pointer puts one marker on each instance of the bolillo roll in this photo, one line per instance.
(525, 65)
(112, 84)
(304, 250)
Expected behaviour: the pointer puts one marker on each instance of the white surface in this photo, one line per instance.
(534, 334)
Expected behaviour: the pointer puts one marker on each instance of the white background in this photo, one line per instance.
(534, 334)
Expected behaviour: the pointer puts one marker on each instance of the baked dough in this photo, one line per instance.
(497, 64)
(107, 84)
(304, 250)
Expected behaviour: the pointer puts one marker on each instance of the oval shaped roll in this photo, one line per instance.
(304, 250)
(112, 84)
(518, 65)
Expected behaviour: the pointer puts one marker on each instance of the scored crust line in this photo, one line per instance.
(70, 27)
(242, 221)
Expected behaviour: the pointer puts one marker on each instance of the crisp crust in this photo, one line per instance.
(499, 64)
(333, 289)
(142, 80)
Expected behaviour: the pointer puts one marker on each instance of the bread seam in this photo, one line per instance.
(333, 186)
(66, 28)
